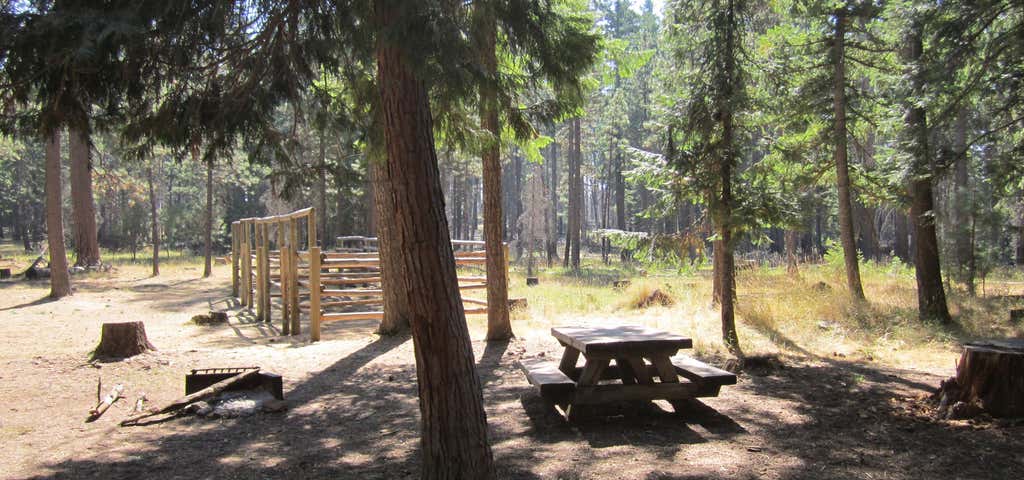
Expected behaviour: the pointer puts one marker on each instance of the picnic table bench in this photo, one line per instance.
(621, 364)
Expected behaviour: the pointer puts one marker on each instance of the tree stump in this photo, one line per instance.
(990, 375)
(122, 340)
(517, 303)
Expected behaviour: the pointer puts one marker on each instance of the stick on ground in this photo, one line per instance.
(102, 406)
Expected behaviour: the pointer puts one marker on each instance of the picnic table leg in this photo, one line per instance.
(592, 370)
(568, 363)
(640, 370)
(667, 374)
(626, 371)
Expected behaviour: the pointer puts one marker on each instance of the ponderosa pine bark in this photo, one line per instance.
(153, 220)
(60, 279)
(931, 294)
(454, 425)
(83, 207)
(499, 327)
(396, 310)
(846, 234)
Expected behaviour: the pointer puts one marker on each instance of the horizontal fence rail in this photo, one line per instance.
(271, 259)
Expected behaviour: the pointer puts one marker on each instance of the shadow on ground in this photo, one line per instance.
(358, 418)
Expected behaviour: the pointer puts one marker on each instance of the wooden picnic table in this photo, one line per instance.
(621, 363)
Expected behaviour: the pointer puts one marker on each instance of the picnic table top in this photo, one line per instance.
(621, 338)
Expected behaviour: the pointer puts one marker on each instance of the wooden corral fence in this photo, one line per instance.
(267, 255)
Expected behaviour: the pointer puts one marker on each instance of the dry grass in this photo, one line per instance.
(779, 314)
(646, 293)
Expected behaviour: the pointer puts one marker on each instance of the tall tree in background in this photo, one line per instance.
(840, 19)
(83, 207)
(486, 30)
(709, 50)
(208, 218)
(574, 189)
(819, 47)
(931, 294)
(153, 219)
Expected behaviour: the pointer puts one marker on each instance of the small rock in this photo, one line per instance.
(274, 406)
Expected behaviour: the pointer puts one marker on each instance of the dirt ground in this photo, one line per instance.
(353, 408)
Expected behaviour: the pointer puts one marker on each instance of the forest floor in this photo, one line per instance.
(841, 399)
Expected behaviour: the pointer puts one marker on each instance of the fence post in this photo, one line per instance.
(311, 228)
(284, 267)
(234, 258)
(261, 253)
(314, 294)
(268, 278)
(247, 264)
(294, 300)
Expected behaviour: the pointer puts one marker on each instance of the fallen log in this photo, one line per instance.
(211, 391)
(105, 403)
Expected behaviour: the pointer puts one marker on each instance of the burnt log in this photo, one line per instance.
(989, 378)
(122, 340)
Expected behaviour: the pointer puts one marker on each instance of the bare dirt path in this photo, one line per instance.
(354, 410)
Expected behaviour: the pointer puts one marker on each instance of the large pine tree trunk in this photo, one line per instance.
(83, 207)
(498, 325)
(931, 294)
(60, 279)
(846, 234)
(396, 309)
(153, 219)
(454, 437)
